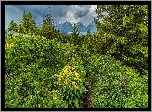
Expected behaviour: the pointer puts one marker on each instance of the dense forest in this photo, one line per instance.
(107, 69)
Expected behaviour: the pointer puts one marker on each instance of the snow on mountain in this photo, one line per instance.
(67, 27)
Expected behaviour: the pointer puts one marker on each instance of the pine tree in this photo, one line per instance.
(74, 38)
(87, 39)
(12, 26)
(27, 24)
(88, 33)
(124, 32)
(47, 29)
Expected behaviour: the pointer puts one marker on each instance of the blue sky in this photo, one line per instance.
(60, 13)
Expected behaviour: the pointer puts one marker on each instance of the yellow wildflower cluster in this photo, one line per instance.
(64, 76)
(75, 84)
(65, 81)
(9, 45)
(73, 68)
(77, 75)
(66, 68)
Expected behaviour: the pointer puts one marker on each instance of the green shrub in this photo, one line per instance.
(116, 86)
(31, 65)
(41, 73)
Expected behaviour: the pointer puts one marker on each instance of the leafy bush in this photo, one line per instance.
(31, 68)
(116, 86)
(41, 73)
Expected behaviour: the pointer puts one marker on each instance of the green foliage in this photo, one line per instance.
(12, 26)
(61, 37)
(47, 29)
(52, 70)
(124, 34)
(87, 40)
(74, 39)
(116, 86)
(27, 25)
(30, 80)
(93, 43)
(9, 34)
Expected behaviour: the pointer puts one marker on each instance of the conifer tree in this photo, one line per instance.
(124, 32)
(27, 24)
(87, 39)
(59, 36)
(12, 26)
(47, 29)
(88, 33)
(74, 38)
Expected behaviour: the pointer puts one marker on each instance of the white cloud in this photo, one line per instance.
(60, 13)
(70, 17)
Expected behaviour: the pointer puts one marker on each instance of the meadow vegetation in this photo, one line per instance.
(47, 69)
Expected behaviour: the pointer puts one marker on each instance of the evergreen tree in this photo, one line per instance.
(124, 32)
(87, 39)
(74, 38)
(12, 26)
(88, 33)
(47, 29)
(28, 24)
(60, 37)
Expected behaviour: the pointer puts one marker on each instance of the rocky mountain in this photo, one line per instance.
(66, 27)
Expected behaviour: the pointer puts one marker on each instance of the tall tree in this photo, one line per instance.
(124, 32)
(47, 29)
(87, 39)
(12, 26)
(60, 37)
(27, 24)
(74, 38)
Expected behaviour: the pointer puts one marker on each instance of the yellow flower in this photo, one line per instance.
(65, 81)
(73, 58)
(77, 75)
(60, 77)
(67, 76)
(11, 44)
(67, 67)
(65, 70)
(76, 86)
(73, 83)
(7, 45)
(61, 73)
(74, 67)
